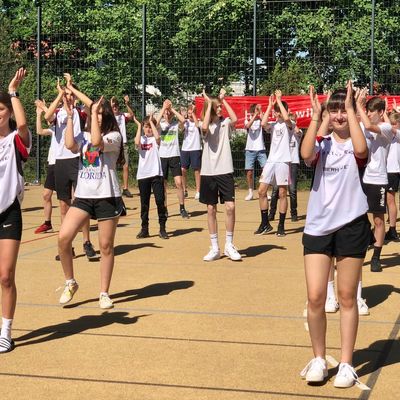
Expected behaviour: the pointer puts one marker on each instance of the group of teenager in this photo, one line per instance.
(351, 143)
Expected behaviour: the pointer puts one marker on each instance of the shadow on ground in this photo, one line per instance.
(254, 251)
(377, 294)
(126, 248)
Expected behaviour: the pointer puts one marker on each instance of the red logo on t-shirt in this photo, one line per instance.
(147, 146)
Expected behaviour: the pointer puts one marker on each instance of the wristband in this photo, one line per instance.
(13, 94)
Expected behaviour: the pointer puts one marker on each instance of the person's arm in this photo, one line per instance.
(228, 108)
(69, 139)
(307, 150)
(154, 129)
(360, 102)
(39, 129)
(249, 123)
(95, 132)
(138, 132)
(195, 119)
(180, 118)
(18, 109)
(264, 121)
(77, 93)
(49, 114)
(206, 120)
(167, 104)
(386, 113)
(323, 129)
(357, 136)
(130, 112)
(285, 115)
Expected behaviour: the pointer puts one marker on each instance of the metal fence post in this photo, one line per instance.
(371, 83)
(254, 47)
(38, 81)
(144, 32)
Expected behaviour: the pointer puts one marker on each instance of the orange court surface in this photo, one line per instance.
(184, 329)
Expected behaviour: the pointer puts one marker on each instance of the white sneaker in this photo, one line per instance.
(249, 196)
(315, 371)
(68, 292)
(331, 305)
(105, 302)
(212, 255)
(346, 376)
(362, 307)
(197, 196)
(231, 252)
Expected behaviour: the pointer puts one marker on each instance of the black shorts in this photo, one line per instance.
(352, 240)
(393, 181)
(376, 197)
(50, 182)
(66, 173)
(11, 222)
(191, 159)
(101, 209)
(213, 187)
(173, 163)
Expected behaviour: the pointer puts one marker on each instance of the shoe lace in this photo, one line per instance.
(362, 303)
(315, 362)
(348, 371)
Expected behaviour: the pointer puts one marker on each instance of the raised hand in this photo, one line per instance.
(315, 104)
(97, 105)
(206, 98)
(126, 99)
(68, 105)
(16, 80)
(348, 103)
(68, 80)
(222, 94)
(167, 104)
(60, 89)
(278, 95)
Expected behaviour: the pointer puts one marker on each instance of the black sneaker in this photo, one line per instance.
(144, 233)
(127, 193)
(89, 250)
(184, 214)
(294, 218)
(271, 216)
(263, 229)
(58, 256)
(376, 265)
(391, 234)
(186, 193)
(163, 234)
(281, 231)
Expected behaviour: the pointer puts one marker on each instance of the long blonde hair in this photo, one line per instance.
(215, 101)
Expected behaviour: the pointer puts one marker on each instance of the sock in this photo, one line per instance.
(214, 241)
(6, 328)
(229, 237)
(282, 217)
(264, 217)
(359, 288)
(103, 294)
(250, 191)
(330, 292)
(48, 223)
(377, 252)
(181, 207)
(70, 281)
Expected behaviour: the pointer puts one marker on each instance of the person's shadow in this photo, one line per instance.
(377, 294)
(126, 248)
(253, 251)
(75, 326)
(154, 290)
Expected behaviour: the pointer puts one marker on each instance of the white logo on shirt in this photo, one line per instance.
(7, 226)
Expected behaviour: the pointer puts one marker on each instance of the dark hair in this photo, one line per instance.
(337, 100)
(146, 120)
(108, 121)
(285, 106)
(114, 101)
(5, 98)
(252, 108)
(375, 104)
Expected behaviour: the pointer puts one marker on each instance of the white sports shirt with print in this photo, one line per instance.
(217, 155)
(191, 137)
(378, 145)
(255, 140)
(97, 176)
(280, 136)
(11, 180)
(149, 159)
(169, 145)
(60, 151)
(393, 160)
(121, 121)
(294, 145)
(51, 156)
(336, 197)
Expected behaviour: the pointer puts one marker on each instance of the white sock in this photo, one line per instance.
(103, 294)
(214, 241)
(6, 328)
(330, 290)
(250, 191)
(229, 237)
(68, 281)
(359, 288)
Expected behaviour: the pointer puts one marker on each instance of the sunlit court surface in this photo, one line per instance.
(183, 328)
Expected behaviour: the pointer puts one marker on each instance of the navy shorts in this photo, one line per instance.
(191, 159)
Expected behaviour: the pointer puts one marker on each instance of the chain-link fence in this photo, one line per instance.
(176, 48)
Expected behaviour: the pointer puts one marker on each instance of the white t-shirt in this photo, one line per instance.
(97, 176)
(122, 118)
(169, 146)
(11, 179)
(51, 156)
(255, 140)
(61, 152)
(191, 137)
(149, 159)
(217, 155)
(294, 143)
(393, 159)
(378, 145)
(279, 150)
(336, 197)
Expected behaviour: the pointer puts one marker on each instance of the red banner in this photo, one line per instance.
(299, 105)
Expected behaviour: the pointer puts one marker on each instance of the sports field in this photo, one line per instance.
(182, 328)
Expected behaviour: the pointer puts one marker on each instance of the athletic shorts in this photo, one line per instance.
(11, 222)
(393, 181)
(66, 173)
(376, 197)
(126, 152)
(191, 159)
(213, 187)
(251, 156)
(173, 164)
(276, 173)
(352, 240)
(101, 209)
(50, 182)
